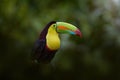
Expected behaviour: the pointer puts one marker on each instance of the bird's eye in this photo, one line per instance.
(54, 25)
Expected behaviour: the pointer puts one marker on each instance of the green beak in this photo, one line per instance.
(63, 27)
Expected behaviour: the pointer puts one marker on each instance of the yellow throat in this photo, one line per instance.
(52, 39)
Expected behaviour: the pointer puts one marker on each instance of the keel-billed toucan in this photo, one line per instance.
(49, 42)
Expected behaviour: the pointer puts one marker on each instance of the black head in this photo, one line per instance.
(45, 30)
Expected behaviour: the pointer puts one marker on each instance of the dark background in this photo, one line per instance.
(94, 57)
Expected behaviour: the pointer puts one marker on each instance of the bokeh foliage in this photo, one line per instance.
(94, 57)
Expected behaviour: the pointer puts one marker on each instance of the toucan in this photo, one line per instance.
(48, 42)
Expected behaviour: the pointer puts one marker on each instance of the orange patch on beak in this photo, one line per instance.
(62, 27)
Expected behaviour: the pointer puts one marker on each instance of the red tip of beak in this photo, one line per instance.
(78, 33)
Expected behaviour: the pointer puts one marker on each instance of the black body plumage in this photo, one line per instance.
(40, 51)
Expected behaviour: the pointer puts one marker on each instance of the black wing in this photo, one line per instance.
(38, 49)
(41, 53)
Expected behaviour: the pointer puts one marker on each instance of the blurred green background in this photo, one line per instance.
(94, 57)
